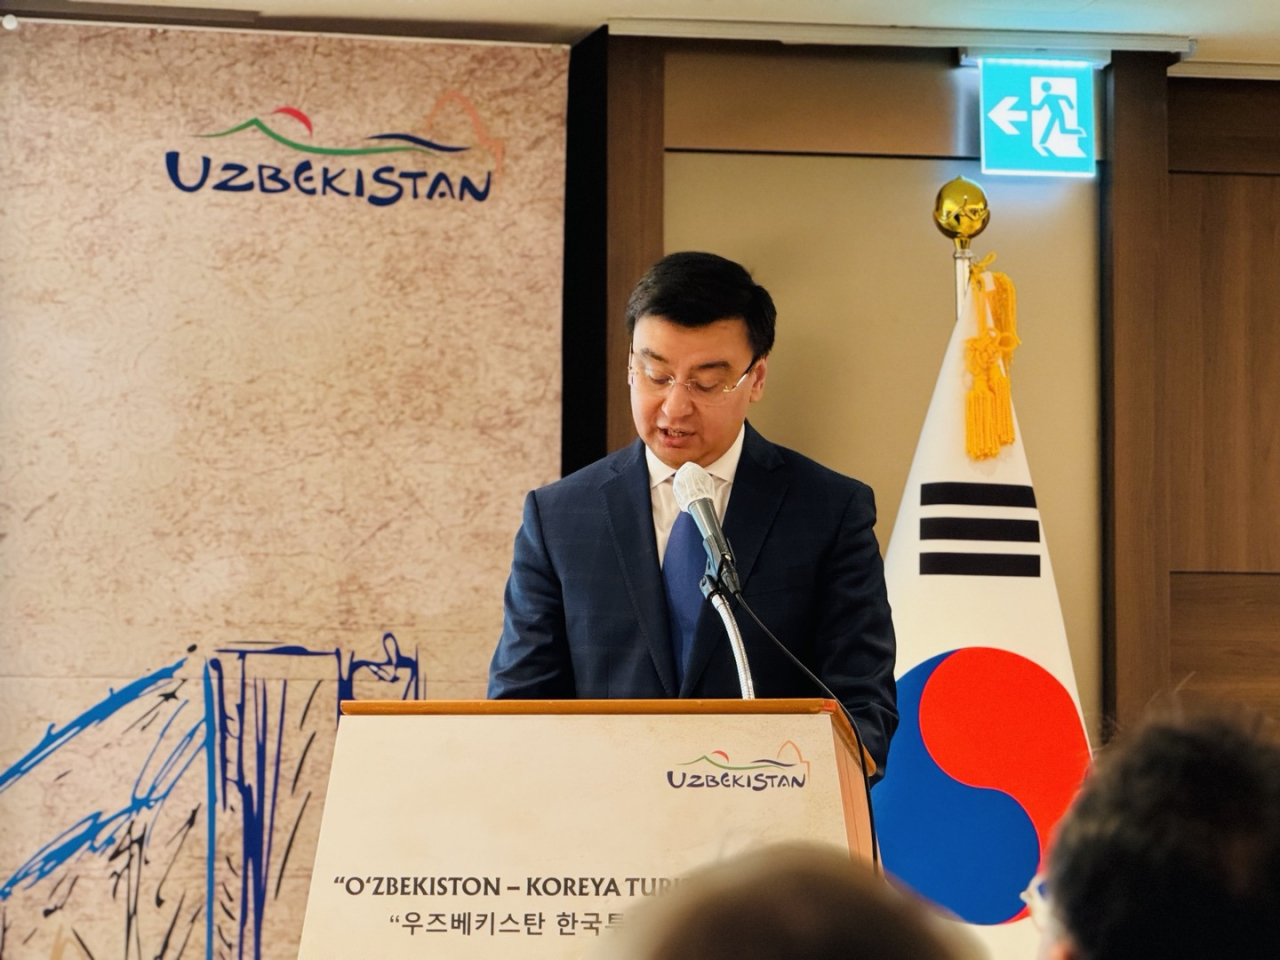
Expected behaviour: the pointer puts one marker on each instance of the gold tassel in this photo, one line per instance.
(1002, 301)
(989, 358)
(1002, 401)
(982, 440)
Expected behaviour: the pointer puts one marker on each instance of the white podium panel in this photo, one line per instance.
(528, 835)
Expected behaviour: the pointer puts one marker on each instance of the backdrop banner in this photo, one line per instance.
(279, 357)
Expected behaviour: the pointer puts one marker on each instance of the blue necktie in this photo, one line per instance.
(682, 567)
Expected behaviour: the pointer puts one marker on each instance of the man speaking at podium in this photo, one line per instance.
(588, 611)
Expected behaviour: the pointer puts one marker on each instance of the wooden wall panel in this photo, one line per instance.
(584, 345)
(1225, 639)
(634, 210)
(1222, 368)
(1135, 330)
(1224, 126)
(868, 101)
(1224, 373)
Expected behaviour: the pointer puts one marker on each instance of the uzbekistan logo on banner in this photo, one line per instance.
(991, 746)
(423, 168)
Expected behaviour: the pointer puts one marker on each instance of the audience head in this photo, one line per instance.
(785, 902)
(1172, 848)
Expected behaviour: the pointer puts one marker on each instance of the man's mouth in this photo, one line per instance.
(675, 433)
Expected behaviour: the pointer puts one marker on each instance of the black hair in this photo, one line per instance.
(787, 901)
(696, 289)
(1172, 849)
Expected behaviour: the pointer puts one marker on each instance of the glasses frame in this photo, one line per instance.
(1037, 901)
(688, 384)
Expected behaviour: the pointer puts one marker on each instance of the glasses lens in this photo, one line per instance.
(650, 380)
(706, 391)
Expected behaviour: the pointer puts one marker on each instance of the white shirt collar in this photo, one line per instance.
(726, 468)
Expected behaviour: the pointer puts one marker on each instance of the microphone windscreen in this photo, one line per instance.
(693, 483)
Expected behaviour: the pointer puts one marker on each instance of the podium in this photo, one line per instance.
(504, 828)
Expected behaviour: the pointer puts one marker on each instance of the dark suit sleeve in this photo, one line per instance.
(532, 658)
(854, 645)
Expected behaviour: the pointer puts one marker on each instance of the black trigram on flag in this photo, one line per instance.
(993, 530)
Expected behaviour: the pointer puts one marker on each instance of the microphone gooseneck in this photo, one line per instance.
(695, 491)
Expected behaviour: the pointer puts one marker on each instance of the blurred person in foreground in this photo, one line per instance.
(1171, 850)
(786, 902)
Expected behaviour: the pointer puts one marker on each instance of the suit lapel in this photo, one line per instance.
(758, 491)
(629, 507)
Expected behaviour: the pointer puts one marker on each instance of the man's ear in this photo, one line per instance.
(758, 373)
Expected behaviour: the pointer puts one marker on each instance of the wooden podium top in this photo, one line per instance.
(802, 705)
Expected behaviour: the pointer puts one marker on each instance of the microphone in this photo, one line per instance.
(695, 491)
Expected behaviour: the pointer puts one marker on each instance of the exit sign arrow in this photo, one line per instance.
(1004, 115)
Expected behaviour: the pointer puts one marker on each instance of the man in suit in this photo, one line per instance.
(588, 614)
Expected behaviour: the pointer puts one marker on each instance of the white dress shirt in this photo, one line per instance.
(662, 489)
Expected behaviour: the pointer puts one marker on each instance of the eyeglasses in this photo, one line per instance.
(1037, 901)
(707, 391)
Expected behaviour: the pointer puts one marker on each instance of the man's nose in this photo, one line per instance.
(677, 402)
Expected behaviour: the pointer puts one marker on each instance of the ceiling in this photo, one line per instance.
(1231, 37)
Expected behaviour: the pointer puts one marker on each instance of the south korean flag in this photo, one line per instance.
(991, 745)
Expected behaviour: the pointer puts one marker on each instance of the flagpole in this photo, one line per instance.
(964, 260)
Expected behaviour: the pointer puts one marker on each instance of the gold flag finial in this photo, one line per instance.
(961, 211)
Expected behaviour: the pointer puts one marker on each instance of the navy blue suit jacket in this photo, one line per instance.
(586, 613)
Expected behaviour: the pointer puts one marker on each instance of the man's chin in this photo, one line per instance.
(675, 452)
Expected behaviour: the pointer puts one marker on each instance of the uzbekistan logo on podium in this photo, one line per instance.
(787, 770)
